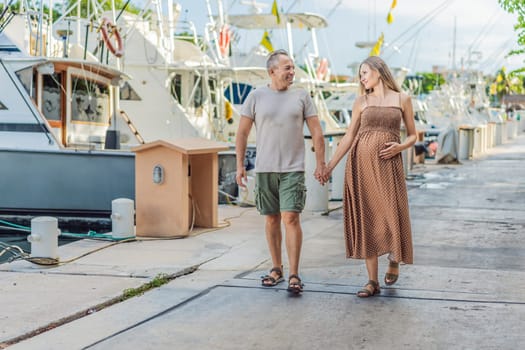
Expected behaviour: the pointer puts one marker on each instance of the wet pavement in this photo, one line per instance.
(465, 289)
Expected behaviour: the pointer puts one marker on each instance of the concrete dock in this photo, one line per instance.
(465, 290)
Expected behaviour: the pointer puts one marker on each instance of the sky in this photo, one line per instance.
(423, 34)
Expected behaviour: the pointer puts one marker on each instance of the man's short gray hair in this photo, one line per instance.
(273, 58)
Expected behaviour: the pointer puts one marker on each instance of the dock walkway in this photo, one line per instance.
(465, 289)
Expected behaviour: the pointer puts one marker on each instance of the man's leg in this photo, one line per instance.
(294, 240)
(274, 240)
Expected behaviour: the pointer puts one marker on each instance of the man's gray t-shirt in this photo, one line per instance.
(279, 118)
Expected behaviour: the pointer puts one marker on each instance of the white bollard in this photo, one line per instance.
(44, 237)
(338, 174)
(122, 218)
(246, 195)
(316, 194)
(466, 143)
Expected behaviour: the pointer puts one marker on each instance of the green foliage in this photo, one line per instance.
(14, 7)
(504, 83)
(516, 7)
(60, 8)
(423, 83)
(158, 281)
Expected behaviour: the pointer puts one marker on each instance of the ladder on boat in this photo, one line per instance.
(132, 127)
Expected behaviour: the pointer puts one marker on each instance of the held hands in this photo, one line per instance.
(322, 174)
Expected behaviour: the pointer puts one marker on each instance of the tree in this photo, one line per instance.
(423, 83)
(504, 84)
(15, 6)
(517, 7)
(59, 9)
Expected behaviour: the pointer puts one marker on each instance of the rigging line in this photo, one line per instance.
(411, 56)
(487, 28)
(495, 55)
(59, 84)
(333, 9)
(424, 24)
(431, 13)
(505, 46)
(231, 6)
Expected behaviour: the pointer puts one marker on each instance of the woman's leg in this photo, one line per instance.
(372, 286)
(372, 268)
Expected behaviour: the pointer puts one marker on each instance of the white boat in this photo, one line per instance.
(54, 115)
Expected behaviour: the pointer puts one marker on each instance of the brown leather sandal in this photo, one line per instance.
(365, 292)
(391, 278)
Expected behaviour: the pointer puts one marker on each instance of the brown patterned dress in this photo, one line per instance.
(376, 216)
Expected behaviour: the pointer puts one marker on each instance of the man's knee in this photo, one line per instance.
(291, 218)
(274, 219)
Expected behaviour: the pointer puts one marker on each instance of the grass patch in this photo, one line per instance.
(156, 282)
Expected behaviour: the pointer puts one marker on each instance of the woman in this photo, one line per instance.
(375, 202)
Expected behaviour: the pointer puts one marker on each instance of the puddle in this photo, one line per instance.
(436, 186)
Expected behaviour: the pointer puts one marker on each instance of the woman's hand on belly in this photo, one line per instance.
(391, 150)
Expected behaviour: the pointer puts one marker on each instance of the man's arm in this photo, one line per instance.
(241, 141)
(318, 140)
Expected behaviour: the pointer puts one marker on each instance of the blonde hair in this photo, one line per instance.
(377, 64)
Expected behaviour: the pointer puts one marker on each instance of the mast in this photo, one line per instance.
(454, 47)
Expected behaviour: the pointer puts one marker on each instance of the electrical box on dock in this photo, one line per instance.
(176, 186)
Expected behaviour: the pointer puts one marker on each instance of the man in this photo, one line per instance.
(279, 112)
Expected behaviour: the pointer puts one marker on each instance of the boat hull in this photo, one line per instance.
(64, 181)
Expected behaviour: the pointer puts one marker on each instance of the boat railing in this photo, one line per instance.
(5, 17)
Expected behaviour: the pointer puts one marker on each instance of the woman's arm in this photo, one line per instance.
(393, 148)
(346, 141)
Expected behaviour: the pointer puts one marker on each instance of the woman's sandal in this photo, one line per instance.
(365, 292)
(295, 287)
(391, 278)
(270, 281)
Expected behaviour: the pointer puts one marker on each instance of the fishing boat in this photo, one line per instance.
(55, 115)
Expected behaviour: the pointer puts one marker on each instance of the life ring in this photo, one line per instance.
(224, 40)
(108, 27)
(322, 69)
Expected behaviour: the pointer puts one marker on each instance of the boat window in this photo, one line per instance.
(2, 106)
(51, 96)
(212, 85)
(89, 101)
(198, 96)
(236, 93)
(127, 93)
(26, 78)
(176, 87)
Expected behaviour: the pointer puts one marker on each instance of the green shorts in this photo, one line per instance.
(278, 192)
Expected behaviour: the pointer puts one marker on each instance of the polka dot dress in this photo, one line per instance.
(376, 216)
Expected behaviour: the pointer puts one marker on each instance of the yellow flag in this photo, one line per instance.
(394, 3)
(266, 43)
(389, 17)
(275, 12)
(376, 50)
